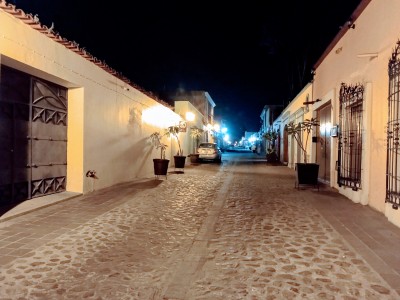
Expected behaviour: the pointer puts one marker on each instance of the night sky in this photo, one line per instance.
(245, 54)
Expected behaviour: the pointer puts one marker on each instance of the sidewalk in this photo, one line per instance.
(366, 230)
(35, 204)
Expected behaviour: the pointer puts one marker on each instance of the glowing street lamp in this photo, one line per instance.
(190, 116)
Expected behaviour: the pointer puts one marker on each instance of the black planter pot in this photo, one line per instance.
(307, 174)
(272, 158)
(160, 166)
(194, 158)
(179, 161)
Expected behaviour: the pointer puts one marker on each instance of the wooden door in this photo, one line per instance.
(324, 143)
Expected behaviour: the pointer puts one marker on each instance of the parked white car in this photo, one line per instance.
(209, 151)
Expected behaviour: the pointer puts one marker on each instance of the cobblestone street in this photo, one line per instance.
(239, 230)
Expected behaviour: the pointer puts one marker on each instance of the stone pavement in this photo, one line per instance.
(239, 230)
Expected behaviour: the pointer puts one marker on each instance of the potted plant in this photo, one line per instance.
(306, 173)
(160, 164)
(195, 133)
(271, 136)
(179, 158)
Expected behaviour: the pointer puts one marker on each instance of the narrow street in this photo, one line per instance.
(236, 230)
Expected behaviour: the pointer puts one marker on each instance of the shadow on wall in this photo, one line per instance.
(140, 157)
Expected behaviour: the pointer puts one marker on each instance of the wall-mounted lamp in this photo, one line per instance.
(189, 116)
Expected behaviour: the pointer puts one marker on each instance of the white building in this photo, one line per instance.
(354, 95)
(66, 115)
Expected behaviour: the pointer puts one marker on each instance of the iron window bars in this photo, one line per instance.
(393, 149)
(350, 135)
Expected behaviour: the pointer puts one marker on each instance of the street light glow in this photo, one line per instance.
(190, 116)
(159, 116)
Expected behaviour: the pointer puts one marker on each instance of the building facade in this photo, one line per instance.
(354, 95)
(268, 115)
(204, 105)
(66, 115)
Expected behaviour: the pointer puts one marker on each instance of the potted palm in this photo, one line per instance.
(271, 136)
(306, 173)
(179, 158)
(160, 164)
(195, 133)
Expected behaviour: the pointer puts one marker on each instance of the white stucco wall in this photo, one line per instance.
(106, 128)
(376, 32)
(296, 112)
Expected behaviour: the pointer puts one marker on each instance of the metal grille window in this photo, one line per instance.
(350, 136)
(393, 147)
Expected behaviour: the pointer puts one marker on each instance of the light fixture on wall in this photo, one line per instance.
(189, 116)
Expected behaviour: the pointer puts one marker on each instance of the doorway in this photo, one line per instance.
(33, 137)
(324, 143)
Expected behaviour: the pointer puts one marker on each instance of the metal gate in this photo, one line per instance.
(393, 132)
(350, 135)
(33, 133)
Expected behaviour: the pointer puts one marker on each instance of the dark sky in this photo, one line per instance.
(245, 54)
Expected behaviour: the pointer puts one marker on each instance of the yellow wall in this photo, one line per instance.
(75, 167)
